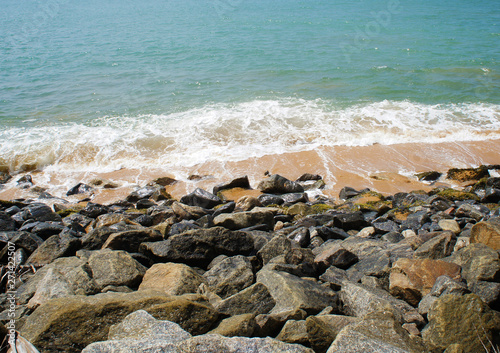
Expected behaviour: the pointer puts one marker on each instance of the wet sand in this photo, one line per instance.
(385, 168)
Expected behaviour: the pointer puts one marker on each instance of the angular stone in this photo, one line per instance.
(349, 221)
(479, 262)
(464, 320)
(201, 198)
(278, 245)
(142, 325)
(196, 317)
(71, 323)
(240, 220)
(221, 344)
(188, 212)
(294, 331)
(255, 299)
(279, 185)
(199, 247)
(376, 333)
(243, 325)
(60, 245)
(246, 203)
(271, 324)
(477, 212)
(323, 329)
(439, 246)
(79, 188)
(335, 256)
(230, 276)
(95, 239)
(75, 271)
(52, 285)
(411, 279)
(489, 292)
(334, 276)
(116, 268)
(291, 292)
(360, 300)
(487, 233)
(241, 182)
(131, 239)
(172, 278)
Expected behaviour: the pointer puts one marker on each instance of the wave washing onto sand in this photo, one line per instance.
(234, 132)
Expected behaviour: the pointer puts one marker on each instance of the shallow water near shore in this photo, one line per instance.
(131, 91)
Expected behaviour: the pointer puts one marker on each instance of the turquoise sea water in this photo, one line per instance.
(107, 84)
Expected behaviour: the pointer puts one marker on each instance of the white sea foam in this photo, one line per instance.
(231, 132)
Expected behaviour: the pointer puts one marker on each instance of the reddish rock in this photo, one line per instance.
(411, 279)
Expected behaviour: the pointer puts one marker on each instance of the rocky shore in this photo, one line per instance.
(280, 269)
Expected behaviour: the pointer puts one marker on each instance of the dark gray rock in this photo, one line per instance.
(440, 245)
(182, 226)
(201, 198)
(60, 245)
(301, 236)
(279, 185)
(255, 299)
(295, 198)
(229, 276)
(47, 229)
(291, 292)
(350, 221)
(131, 239)
(348, 192)
(94, 210)
(269, 199)
(6, 222)
(241, 182)
(199, 247)
(79, 188)
(278, 245)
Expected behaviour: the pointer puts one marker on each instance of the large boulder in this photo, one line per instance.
(278, 245)
(291, 292)
(140, 332)
(172, 278)
(411, 279)
(71, 323)
(464, 320)
(200, 246)
(230, 276)
(276, 184)
(72, 270)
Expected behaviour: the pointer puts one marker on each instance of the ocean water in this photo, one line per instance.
(105, 85)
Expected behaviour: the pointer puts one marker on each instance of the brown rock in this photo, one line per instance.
(486, 233)
(411, 279)
(243, 325)
(464, 320)
(172, 278)
(246, 203)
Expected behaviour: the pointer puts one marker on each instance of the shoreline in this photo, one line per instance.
(387, 169)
